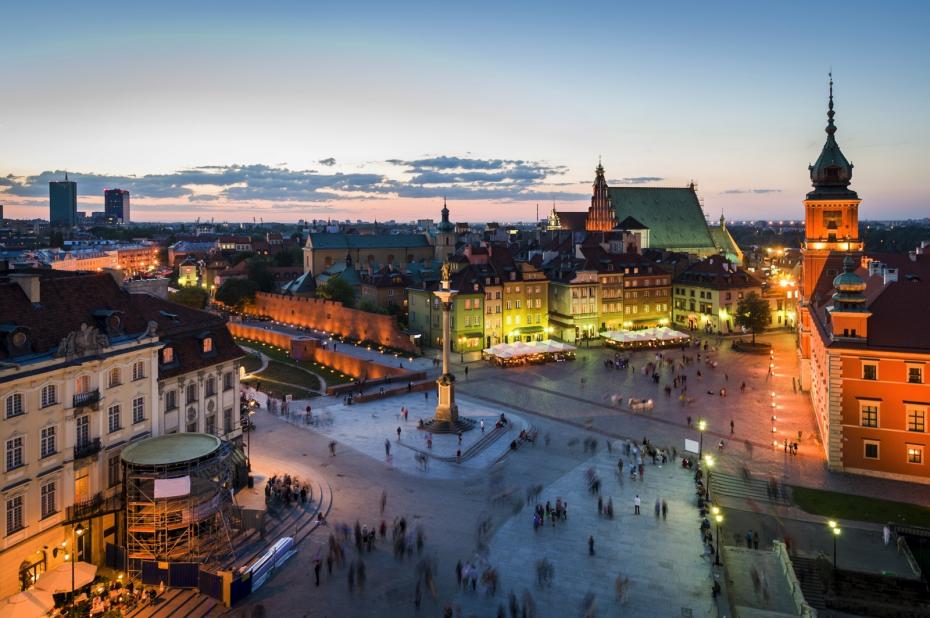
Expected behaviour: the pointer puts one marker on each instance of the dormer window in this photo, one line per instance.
(167, 355)
(207, 344)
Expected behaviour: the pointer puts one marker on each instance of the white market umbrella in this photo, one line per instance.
(27, 604)
(59, 578)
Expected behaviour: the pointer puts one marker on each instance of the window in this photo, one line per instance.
(508, 305)
(211, 424)
(477, 303)
(171, 400)
(191, 392)
(870, 449)
(14, 453)
(167, 355)
(113, 470)
(14, 405)
(227, 420)
(869, 371)
(915, 374)
(138, 410)
(138, 370)
(468, 303)
(82, 430)
(47, 446)
(49, 395)
(916, 419)
(228, 381)
(211, 386)
(82, 385)
(47, 500)
(14, 515)
(113, 418)
(519, 303)
(915, 454)
(868, 414)
(113, 378)
(207, 344)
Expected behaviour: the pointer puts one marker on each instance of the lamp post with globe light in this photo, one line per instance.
(76, 534)
(702, 426)
(718, 519)
(835, 529)
(709, 462)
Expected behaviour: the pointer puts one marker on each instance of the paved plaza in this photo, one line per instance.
(568, 404)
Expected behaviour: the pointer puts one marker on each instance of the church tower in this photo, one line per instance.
(445, 236)
(831, 224)
(601, 213)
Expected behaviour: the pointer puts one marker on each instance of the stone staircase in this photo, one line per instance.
(480, 445)
(735, 486)
(811, 580)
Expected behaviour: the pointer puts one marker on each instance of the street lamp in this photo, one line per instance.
(77, 532)
(709, 462)
(718, 519)
(702, 425)
(835, 528)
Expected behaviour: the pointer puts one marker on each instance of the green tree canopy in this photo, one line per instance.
(258, 273)
(754, 313)
(288, 257)
(191, 296)
(338, 290)
(236, 292)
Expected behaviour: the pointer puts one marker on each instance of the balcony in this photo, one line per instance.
(90, 398)
(88, 448)
(109, 501)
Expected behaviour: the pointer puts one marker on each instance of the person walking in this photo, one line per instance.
(664, 510)
(658, 508)
(417, 596)
(398, 434)
(316, 570)
(731, 426)
(387, 448)
(591, 545)
(636, 503)
(332, 448)
(755, 540)
(482, 425)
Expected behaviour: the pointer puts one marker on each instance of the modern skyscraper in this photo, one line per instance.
(62, 198)
(116, 205)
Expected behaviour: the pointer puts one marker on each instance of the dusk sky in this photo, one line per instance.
(374, 110)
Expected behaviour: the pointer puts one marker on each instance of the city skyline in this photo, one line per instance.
(380, 113)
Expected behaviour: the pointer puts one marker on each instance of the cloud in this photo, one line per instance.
(453, 177)
(739, 191)
(635, 180)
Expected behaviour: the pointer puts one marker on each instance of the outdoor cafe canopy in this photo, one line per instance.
(661, 334)
(520, 348)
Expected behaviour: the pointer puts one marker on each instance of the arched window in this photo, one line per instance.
(113, 378)
(14, 405)
(49, 395)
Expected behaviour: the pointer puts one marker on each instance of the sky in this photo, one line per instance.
(379, 110)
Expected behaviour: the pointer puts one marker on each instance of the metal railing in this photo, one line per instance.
(87, 448)
(90, 398)
(109, 501)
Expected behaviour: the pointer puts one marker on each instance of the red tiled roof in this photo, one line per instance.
(67, 300)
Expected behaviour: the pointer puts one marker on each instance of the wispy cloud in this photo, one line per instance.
(449, 176)
(635, 180)
(738, 191)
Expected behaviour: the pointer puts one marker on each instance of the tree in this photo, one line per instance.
(754, 313)
(288, 257)
(338, 290)
(241, 255)
(258, 273)
(191, 297)
(371, 307)
(236, 292)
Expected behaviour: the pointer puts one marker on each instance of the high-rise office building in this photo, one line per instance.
(62, 198)
(116, 205)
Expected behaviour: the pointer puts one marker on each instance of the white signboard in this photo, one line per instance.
(692, 446)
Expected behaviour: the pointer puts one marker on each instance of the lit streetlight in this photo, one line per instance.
(835, 528)
(718, 519)
(702, 425)
(709, 462)
(77, 533)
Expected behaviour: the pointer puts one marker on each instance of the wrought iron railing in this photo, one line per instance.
(90, 398)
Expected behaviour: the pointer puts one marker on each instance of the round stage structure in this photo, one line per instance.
(178, 494)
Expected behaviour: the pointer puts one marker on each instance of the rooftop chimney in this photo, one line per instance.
(30, 285)
(891, 274)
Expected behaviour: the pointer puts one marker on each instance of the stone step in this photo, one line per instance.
(738, 487)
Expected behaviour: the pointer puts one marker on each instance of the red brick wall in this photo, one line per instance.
(332, 317)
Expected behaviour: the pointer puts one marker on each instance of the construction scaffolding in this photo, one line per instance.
(178, 496)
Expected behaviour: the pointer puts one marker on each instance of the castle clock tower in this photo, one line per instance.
(831, 228)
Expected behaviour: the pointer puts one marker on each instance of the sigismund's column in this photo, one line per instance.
(446, 409)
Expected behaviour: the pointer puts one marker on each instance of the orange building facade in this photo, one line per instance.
(864, 339)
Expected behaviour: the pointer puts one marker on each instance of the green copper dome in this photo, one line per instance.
(445, 225)
(832, 172)
(849, 288)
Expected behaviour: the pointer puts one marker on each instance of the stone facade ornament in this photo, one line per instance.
(84, 342)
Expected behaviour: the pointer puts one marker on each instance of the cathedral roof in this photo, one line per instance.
(672, 214)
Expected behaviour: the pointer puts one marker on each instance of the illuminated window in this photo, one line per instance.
(114, 378)
(915, 454)
(208, 344)
(167, 355)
